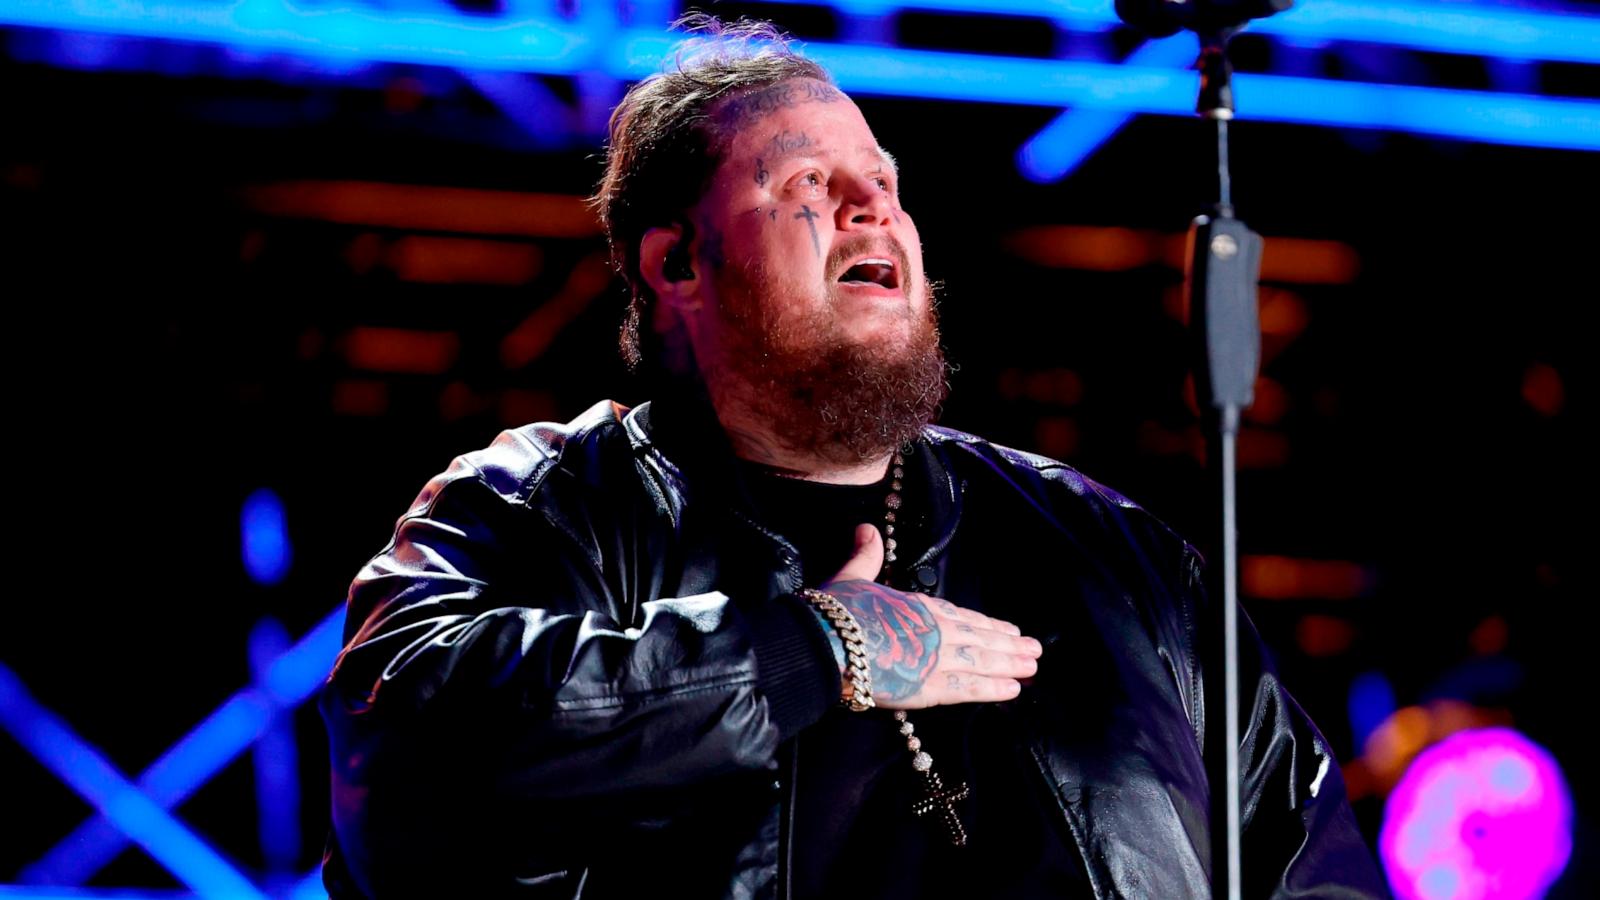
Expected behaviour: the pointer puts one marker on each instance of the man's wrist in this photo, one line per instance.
(843, 628)
(833, 638)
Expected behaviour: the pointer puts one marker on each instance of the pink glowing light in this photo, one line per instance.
(1481, 814)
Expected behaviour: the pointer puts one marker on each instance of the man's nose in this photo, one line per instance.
(863, 204)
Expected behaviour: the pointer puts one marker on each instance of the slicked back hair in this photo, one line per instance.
(664, 147)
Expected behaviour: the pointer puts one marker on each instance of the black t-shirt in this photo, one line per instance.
(854, 832)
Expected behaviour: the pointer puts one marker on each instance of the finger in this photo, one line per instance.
(944, 606)
(964, 688)
(959, 632)
(867, 560)
(978, 660)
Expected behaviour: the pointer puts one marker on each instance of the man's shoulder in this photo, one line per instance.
(520, 460)
(1029, 466)
(1051, 482)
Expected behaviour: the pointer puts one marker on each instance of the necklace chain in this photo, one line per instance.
(933, 797)
(897, 474)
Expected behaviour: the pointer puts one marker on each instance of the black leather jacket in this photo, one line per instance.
(574, 672)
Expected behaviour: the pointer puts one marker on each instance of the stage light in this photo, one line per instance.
(406, 350)
(1481, 814)
(264, 536)
(130, 809)
(1439, 27)
(201, 753)
(1371, 704)
(599, 46)
(275, 758)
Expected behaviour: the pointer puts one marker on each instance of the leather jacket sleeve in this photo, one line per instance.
(485, 652)
(1298, 835)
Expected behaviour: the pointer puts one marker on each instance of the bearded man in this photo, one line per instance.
(772, 634)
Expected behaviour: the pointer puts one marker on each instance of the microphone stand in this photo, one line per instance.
(1225, 339)
(1223, 270)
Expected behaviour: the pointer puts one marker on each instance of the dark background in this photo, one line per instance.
(173, 349)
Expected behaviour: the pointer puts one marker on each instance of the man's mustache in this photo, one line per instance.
(870, 245)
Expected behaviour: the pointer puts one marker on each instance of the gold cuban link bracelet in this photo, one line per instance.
(858, 676)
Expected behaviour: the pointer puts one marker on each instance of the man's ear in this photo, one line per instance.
(667, 264)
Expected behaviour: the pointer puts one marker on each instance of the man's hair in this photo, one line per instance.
(664, 148)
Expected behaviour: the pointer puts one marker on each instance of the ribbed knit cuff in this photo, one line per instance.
(795, 666)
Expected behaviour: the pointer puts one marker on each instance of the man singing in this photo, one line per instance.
(772, 633)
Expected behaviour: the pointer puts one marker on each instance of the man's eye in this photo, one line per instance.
(811, 182)
(883, 183)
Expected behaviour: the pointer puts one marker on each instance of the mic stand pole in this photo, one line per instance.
(1224, 266)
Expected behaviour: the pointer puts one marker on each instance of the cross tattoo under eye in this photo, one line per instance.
(811, 219)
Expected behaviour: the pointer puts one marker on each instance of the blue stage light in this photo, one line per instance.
(144, 821)
(440, 37)
(1452, 28)
(202, 753)
(1438, 27)
(1371, 702)
(1072, 137)
(275, 759)
(264, 537)
(1084, 15)
(1485, 116)
(32, 892)
(1471, 115)
(534, 46)
(310, 887)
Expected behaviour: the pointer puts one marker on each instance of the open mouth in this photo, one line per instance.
(875, 271)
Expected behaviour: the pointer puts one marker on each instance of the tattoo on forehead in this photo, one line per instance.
(786, 142)
(750, 108)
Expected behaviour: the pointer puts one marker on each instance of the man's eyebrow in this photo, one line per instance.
(888, 159)
(810, 148)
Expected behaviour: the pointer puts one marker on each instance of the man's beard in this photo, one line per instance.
(821, 394)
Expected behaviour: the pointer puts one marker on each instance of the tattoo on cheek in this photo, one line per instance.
(761, 171)
(773, 215)
(811, 219)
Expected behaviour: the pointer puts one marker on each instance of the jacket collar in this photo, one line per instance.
(681, 427)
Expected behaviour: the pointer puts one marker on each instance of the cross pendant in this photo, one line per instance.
(938, 798)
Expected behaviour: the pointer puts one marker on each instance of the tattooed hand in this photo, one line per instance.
(925, 651)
